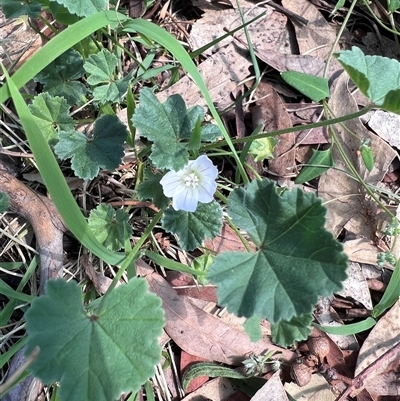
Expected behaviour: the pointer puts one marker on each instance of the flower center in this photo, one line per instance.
(191, 180)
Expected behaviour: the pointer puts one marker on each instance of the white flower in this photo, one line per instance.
(194, 183)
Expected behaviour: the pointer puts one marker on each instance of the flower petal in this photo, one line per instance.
(206, 191)
(204, 167)
(186, 200)
(172, 183)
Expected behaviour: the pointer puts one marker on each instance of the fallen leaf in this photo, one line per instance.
(269, 32)
(276, 117)
(317, 389)
(355, 286)
(348, 205)
(382, 337)
(200, 333)
(221, 72)
(227, 240)
(272, 390)
(318, 35)
(386, 125)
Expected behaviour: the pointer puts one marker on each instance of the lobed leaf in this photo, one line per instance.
(104, 150)
(84, 8)
(286, 333)
(15, 8)
(60, 77)
(109, 226)
(164, 124)
(51, 112)
(101, 67)
(297, 259)
(193, 228)
(95, 356)
(151, 188)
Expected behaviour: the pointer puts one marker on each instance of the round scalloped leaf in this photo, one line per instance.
(97, 356)
(297, 259)
(193, 228)
(109, 226)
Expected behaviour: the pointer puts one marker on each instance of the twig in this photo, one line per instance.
(289, 13)
(49, 229)
(358, 382)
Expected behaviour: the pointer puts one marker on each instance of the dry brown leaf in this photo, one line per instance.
(268, 33)
(386, 125)
(317, 389)
(272, 390)
(317, 36)
(348, 205)
(384, 336)
(226, 240)
(200, 333)
(301, 63)
(363, 250)
(276, 117)
(221, 73)
(356, 287)
(100, 281)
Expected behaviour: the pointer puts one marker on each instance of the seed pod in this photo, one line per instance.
(300, 373)
(319, 347)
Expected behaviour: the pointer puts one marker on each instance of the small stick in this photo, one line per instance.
(289, 13)
(358, 381)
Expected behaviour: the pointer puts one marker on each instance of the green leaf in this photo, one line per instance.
(338, 5)
(95, 356)
(51, 112)
(394, 5)
(210, 133)
(152, 189)
(109, 226)
(101, 66)
(104, 150)
(367, 155)
(193, 228)
(313, 87)
(293, 246)
(209, 369)
(378, 78)
(84, 8)
(164, 124)
(4, 202)
(263, 148)
(392, 293)
(286, 333)
(15, 8)
(61, 14)
(320, 161)
(202, 264)
(253, 328)
(348, 329)
(60, 77)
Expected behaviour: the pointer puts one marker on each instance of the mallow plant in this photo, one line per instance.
(291, 259)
